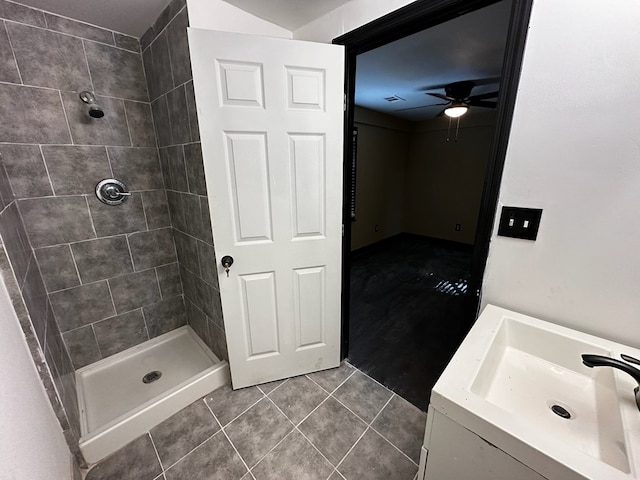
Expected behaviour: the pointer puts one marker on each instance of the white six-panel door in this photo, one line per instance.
(271, 118)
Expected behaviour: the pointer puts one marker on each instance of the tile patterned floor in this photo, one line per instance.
(333, 425)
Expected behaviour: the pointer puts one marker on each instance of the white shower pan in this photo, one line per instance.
(116, 406)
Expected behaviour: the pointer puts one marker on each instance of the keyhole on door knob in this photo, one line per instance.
(227, 261)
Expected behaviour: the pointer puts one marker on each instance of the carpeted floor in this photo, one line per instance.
(407, 311)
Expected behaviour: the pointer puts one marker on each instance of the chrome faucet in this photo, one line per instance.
(602, 361)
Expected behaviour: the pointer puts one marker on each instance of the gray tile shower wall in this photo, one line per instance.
(28, 294)
(90, 280)
(168, 71)
(87, 252)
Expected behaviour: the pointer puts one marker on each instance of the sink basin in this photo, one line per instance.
(519, 383)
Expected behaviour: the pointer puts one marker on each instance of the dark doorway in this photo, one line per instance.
(413, 375)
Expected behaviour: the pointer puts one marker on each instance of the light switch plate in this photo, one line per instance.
(519, 222)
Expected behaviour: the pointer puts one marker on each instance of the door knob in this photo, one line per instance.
(227, 261)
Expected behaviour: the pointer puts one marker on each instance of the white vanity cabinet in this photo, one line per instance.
(457, 453)
(516, 402)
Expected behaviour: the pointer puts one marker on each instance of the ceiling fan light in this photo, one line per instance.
(456, 111)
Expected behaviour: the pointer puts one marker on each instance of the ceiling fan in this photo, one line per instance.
(458, 97)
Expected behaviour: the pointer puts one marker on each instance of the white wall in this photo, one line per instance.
(222, 16)
(574, 151)
(31, 442)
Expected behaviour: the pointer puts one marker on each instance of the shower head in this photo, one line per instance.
(95, 110)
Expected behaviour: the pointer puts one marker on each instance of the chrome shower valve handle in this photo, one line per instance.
(112, 192)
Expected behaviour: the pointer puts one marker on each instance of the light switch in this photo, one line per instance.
(519, 222)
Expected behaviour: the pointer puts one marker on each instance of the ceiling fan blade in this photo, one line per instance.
(441, 96)
(481, 103)
(476, 82)
(422, 106)
(483, 96)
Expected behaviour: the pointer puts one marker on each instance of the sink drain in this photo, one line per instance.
(151, 376)
(561, 411)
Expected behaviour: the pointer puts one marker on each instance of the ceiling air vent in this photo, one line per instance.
(394, 98)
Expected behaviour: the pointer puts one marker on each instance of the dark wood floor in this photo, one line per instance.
(407, 314)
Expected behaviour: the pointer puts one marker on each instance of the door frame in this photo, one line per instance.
(413, 18)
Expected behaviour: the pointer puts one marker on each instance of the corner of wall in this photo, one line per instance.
(222, 16)
(345, 18)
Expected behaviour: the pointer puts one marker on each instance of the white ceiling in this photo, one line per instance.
(466, 48)
(290, 14)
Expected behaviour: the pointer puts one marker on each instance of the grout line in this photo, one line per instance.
(104, 238)
(144, 212)
(339, 385)
(112, 316)
(293, 429)
(115, 311)
(352, 447)
(311, 412)
(163, 29)
(126, 120)
(86, 59)
(189, 452)
(184, 163)
(71, 145)
(95, 337)
(276, 388)
(228, 439)
(110, 278)
(26, 85)
(186, 100)
(394, 446)
(144, 320)
(46, 168)
(370, 377)
(156, 450)
(158, 280)
(173, 80)
(368, 424)
(166, 102)
(15, 59)
(67, 34)
(32, 256)
(93, 226)
(378, 414)
(75, 264)
(13, 195)
(85, 194)
(109, 161)
(66, 117)
(244, 411)
(133, 265)
(314, 446)
(153, 119)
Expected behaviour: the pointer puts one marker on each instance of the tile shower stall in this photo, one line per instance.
(98, 279)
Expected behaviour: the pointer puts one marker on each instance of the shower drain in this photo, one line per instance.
(561, 411)
(152, 376)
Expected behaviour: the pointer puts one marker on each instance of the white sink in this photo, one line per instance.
(508, 373)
